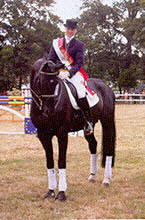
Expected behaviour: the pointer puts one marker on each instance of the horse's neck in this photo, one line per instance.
(62, 99)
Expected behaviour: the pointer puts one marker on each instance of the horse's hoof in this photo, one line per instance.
(50, 194)
(106, 182)
(92, 179)
(61, 196)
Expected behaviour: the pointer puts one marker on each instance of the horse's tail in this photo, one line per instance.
(108, 139)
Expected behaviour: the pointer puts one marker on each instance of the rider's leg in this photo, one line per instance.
(84, 106)
(78, 82)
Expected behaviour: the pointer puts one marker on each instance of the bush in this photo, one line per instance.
(14, 92)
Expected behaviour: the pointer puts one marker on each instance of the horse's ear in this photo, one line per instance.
(45, 55)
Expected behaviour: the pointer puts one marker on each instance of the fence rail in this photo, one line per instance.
(130, 98)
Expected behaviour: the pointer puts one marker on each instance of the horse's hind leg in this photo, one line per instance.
(93, 157)
(46, 141)
(108, 148)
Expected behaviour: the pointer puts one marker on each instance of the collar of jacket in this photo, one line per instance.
(68, 39)
(70, 44)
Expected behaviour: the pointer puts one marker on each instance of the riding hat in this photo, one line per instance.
(70, 23)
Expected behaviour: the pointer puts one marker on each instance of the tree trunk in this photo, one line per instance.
(20, 82)
(120, 90)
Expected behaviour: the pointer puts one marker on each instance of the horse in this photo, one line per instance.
(53, 115)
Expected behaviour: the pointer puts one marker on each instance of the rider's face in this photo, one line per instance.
(70, 32)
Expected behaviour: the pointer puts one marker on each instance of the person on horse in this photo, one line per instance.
(70, 51)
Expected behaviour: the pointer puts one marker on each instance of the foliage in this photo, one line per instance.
(129, 76)
(114, 40)
(14, 92)
(27, 30)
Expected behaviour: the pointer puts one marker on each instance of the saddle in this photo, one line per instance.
(73, 96)
(72, 89)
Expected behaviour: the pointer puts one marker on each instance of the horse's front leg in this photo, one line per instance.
(46, 141)
(63, 142)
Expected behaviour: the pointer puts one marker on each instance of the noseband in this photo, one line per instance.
(41, 97)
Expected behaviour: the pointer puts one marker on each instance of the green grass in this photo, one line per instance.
(23, 176)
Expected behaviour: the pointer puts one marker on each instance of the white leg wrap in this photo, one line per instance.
(52, 184)
(62, 180)
(93, 161)
(108, 167)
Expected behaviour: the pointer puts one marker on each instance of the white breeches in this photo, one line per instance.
(78, 81)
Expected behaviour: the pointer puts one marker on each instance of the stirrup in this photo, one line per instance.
(88, 129)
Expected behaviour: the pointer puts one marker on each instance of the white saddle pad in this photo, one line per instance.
(92, 99)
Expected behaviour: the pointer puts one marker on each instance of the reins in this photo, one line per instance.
(49, 74)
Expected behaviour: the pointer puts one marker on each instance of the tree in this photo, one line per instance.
(27, 29)
(7, 77)
(111, 35)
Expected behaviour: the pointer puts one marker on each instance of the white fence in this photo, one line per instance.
(131, 98)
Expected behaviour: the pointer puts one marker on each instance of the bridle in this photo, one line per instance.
(44, 96)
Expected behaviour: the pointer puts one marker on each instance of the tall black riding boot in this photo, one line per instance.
(84, 106)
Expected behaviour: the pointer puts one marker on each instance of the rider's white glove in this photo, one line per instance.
(63, 74)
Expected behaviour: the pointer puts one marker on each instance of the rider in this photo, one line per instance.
(70, 51)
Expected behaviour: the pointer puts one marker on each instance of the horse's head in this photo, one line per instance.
(48, 77)
(47, 85)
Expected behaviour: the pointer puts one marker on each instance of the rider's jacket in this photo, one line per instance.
(76, 50)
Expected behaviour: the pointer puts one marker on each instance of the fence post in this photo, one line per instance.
(26, 105)
(130, 98)
(141, 102)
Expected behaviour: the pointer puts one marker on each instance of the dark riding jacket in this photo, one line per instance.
(75, 48)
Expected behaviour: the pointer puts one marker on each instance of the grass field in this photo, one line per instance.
(23, 175)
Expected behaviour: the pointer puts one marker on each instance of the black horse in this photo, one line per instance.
(53, 115)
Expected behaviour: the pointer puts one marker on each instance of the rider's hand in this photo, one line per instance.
(63, 74)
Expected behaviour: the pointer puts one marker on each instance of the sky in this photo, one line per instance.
(66, 9)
